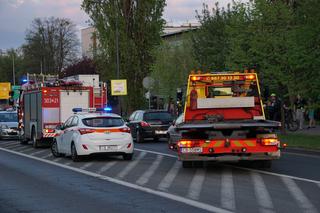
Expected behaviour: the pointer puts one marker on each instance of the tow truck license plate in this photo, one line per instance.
(191, 150)
(108, 148)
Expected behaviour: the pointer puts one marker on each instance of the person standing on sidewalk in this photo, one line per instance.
(311, 109)
(299, 108)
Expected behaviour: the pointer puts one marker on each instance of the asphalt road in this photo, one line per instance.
(32, 180)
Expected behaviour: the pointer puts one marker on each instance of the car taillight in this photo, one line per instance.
(144, 124)
(125, 129)
(86, 131)
(185, 143)
(269, 141)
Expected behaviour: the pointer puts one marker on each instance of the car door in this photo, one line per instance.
(63, 138)
(130, 123)
(69, 134)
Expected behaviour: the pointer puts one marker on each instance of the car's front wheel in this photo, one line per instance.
(54, 149)
(139, 137)
(74, 155)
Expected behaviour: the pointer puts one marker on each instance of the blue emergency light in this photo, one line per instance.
(24, 80)
(106, 109)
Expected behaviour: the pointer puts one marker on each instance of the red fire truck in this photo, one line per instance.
(48, 102)
(224, 120)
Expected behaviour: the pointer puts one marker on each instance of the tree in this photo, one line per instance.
(137, 26)
(51, 44)
(83, 66)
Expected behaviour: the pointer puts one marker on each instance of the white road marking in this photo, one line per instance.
(26, 149)
(227, 190)
(39, 152)
(157, 153)
(177, 198)
(57, 159)
(106, 167)
(11, 146)
(169, 178)
(299, 196)
(47, 156)
(131, 165)
(196, 184)
(8, 142)
(243, 168)
(150, 171)
(262, 194)
(86, 165)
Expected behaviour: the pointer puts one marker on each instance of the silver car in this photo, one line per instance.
(173, 135)
(9, 125)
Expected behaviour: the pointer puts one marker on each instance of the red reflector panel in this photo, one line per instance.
(86, 131)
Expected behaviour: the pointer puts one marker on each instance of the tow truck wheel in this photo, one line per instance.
(34, 140)
(187, 164)
(54, 149)
(74, 155)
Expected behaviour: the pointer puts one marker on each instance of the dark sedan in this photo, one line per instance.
(149, 124)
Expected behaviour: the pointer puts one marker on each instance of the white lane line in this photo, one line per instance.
(131, 165)
(86, 165)
(243, 168)
(169, 178)
(150, 171)
(39, 152)
(299, 196)
(47, 156)
(166, 195)
(227, 190)
(157, 153)
(196, 184)
(106, 167)
(262, 194)
(57, 159)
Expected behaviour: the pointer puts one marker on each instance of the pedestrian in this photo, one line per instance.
(311, 109)
(275, 107)
(299, 109)
(171, 107)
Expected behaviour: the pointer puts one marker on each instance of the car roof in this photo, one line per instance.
(95, 115)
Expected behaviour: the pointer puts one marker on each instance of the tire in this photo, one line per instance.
(54, 149)
(187, 164)
(139, 137)
(35, 142)
(127, 156)
(74, 155)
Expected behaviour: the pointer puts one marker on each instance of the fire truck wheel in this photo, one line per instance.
(35, 142)
(74, 155)
(139, 137)
(187, 164)
(54, 149)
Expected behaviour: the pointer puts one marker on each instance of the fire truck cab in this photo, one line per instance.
(224, 120)
(47, 102)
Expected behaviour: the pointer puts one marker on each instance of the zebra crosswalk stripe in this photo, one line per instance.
(86, 165)
(150, 171)
(227, 190)
(196, 184)
(299, 196)
(106, 167)
(262, 194)
(131, 165)
(39, 152)
(169, 178)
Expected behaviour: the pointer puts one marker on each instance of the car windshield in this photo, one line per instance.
(8, 117)
(103, 122)
(162, 116)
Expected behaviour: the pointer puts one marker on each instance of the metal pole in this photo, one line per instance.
(13, 70)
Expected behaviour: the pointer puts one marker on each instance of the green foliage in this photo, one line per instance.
(280, 38)
(172, 66)
(138, 24)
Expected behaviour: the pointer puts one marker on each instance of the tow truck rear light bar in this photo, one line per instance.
(224, 77)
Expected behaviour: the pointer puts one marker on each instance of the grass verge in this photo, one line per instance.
(301, 141)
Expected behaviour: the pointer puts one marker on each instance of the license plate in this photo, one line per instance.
(191, 150)
(108, 148)
(160, 132)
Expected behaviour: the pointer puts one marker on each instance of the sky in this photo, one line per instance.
(17, 15)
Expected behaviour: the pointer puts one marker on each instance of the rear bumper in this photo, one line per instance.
(231, 157)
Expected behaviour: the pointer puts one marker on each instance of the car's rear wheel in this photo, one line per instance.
(74, 154)
(54, 149)
(139, 137)
(127, 156)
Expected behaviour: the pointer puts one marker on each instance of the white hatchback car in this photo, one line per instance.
(89, 133)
